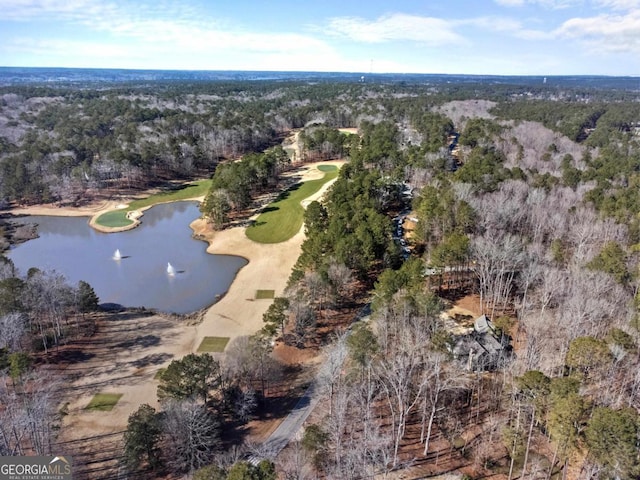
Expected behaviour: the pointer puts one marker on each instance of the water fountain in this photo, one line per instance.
(117, 255)
(170, 270)
(140, 277)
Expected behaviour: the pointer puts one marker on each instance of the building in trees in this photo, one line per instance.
(484, 348)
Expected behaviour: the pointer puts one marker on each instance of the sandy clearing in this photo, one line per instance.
(136, 347)
(125, 365)
(89, 210)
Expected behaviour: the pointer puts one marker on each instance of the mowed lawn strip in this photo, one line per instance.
(282, 219)
(213, 344)
(265, 294)
(104, 402)
(118, 218)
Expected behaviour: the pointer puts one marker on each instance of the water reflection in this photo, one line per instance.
(166, 214)
(140, 278)
(54, 226)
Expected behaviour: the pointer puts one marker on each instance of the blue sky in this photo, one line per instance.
(509, 37)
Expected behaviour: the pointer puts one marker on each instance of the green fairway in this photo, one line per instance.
(114, 218)
(213, 344)
(103, 402)
(282, 219)
(118, 218)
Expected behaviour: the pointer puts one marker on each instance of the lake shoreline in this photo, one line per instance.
(131, 269)
(236, 312)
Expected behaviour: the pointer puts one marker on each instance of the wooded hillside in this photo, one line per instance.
(523, 200)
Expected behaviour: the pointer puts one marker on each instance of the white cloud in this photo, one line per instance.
(97, 14)
(562, 4)
(155, 28)
(505, 25)
(510, 3)
(53, 48)
(396, 27)
(174, 37)
(605, 33)
(74, 10)
(549, 4)
(619, 4)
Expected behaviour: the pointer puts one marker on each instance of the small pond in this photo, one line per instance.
(141, 278)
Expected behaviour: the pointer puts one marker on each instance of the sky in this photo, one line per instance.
(501, 37)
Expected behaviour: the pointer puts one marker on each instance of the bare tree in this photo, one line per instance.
(49, 297)
(248, 362)
(13, 327)
(440, 379)
(191, 434)
(302, 315)
(340, 277)
(403, 380)
(316, 288)
(498, 259)
(304, 319)
(28, 421)
(336, 425)
(330, 374)
(294, 463)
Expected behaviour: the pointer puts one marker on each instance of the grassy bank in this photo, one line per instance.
(118, 218)
(282, 219)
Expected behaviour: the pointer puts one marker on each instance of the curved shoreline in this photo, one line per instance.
(237, 312)
(133, 215)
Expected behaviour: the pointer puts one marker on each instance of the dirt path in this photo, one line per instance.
(292, 145)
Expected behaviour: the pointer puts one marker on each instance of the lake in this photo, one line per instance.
(70, 246)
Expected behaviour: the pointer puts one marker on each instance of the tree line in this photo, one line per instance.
(539, 222)
(38, 312)
(552, 267)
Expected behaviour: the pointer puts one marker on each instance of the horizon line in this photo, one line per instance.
(352, 72)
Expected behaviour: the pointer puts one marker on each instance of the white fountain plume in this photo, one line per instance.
(117, 255)
(170, 270)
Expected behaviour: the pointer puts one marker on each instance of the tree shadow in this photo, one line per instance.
(177, 188)
(71, 355)
(287, 192)
(141, 341)
(270, 209)
(153, 359)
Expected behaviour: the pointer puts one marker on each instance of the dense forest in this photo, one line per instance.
(524, 198)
